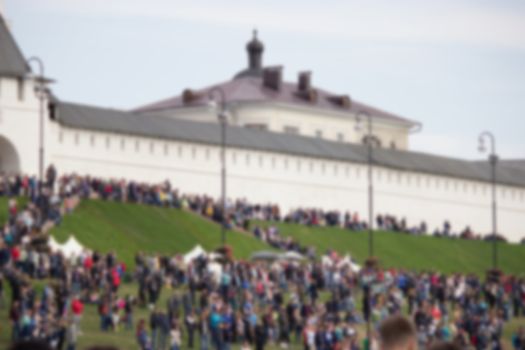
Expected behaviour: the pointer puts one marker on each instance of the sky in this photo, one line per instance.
(457, 66)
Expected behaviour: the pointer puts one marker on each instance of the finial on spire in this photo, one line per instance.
(255, 33)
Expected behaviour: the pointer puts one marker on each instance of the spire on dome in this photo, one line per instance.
(255, 49)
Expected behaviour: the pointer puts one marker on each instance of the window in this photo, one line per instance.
(108, 141)
(347, 171)
(122, 144)
(137, 145)
(285, 163)
(357, 172)
(179, 151)
(340, 137)
(291, 130)
(151, 147)
(273, 162)
(60, 136)
(247, 158)
(92, 140)
(234, 157)
(335, 170)
(319, 134)
(193, 152)
(323, 168)
(393, 145)
(77, 137)
(260, 160)
(20, 88)
(256, 126)
(166, 149)
(207, 153)
(298, 165)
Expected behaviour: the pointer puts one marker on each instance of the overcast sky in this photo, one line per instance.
(457, 66)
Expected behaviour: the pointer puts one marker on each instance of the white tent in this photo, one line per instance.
(194, 254)
(53, 244)
(71, 248)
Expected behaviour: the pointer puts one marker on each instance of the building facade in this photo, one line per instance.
(288, 143)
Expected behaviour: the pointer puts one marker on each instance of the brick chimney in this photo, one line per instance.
(304, 82)
(272, 77)
(343, 101)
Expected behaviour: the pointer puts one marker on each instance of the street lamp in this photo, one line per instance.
(493, 160)
(41, 97)
(369, 142)
(222, 115)
(370, 262)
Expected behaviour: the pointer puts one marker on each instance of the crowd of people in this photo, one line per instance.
(239, 213)
(252, 304)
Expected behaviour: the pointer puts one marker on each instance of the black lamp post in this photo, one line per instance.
(222, 115)
(369, 142)
(371, 262)
(493, 160)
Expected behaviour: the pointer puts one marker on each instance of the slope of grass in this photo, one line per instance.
(129, 228)
(412, 252)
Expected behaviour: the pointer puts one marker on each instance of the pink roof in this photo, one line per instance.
(252, 89)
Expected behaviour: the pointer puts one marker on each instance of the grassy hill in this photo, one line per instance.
(128, 228)
(401, 250)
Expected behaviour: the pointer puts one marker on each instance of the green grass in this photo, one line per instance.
(129, 228)
(411, 252)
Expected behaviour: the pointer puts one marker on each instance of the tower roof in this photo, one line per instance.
(255, 49)
(12, 62)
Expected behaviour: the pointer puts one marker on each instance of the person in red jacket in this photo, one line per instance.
(15, 253)
(115, 279)
(77, 308)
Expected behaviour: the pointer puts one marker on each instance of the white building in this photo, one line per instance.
(288, 143)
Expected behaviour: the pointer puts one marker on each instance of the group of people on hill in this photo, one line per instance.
(51, 312)
(240, 212)
(321, 305)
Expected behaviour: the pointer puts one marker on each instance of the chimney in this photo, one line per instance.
(272, 77)
(343, 101)
(304, 84)
(189, 96)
